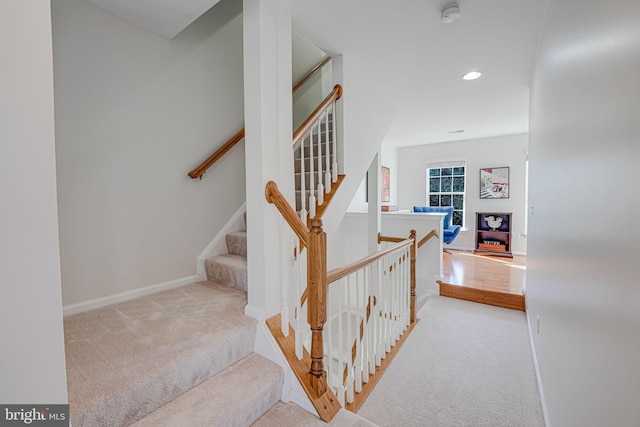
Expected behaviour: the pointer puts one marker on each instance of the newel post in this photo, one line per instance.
(316, 312)
(414, 257)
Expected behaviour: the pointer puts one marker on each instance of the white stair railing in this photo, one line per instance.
(368, 309)
(315, 145)
(293, 279)
(337, 327)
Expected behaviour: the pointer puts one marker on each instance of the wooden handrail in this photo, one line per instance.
(422, 241)
(274, 196)
(200, 170)
(340, 272)
(310, 74)
(310, 370)
(335, 94)
(204, 166)
(391, 239)
(426, 238)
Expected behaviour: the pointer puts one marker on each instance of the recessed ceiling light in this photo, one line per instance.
(472, 75)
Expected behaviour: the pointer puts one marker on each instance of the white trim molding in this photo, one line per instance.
(545, 412)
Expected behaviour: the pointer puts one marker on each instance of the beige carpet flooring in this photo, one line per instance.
(291, 415)
(465, 364)
(127, 359)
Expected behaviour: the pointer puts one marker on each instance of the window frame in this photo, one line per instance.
(452, 193)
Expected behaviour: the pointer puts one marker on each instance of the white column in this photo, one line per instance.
(31, 336)
(268, 116)
(374, 218)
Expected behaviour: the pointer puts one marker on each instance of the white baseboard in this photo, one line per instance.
(467, 249)
(217, 245)
(545, 413)
(127, 295)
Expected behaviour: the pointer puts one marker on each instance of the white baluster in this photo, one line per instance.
(366, 350)
(373, 322)
(387, 306)
(396, 300)
(408, 275)
(361, 319)
(334, 169)
(328, 339)
(312, 185)
(284, 291)
(406, 293)
(327, 154)
(350, 338)
(380, 313)
(303, 184)
(301, 277)
(407, 287)
(320, 184)
(341, 362)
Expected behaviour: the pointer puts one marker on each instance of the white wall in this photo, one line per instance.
(429, 264)
(305, 56)
(582, 268)
(389, 159)
(31, 338)
(499, 151)
(134, 113)
(367, 112)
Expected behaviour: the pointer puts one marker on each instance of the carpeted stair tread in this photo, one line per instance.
(127, 359)
(237, 396)
(228, 269)
(291, 415)
(237, 243)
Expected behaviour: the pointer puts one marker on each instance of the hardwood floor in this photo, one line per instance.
(487, 279)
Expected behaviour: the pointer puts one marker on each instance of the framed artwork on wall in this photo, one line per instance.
(385, 177)
(494, 183)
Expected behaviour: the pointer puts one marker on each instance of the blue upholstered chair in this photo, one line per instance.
(449, 231)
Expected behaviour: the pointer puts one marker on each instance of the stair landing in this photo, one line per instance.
(484, 279)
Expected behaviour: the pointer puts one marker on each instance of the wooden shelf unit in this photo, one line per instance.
(501, 234)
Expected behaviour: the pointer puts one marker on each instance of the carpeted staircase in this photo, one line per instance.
(231, 268)
(182, 357)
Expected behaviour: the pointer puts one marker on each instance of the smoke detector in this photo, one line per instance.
(450, 13)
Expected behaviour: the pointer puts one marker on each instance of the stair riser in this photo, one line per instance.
(237, 396)
(230, 273)
(237, 243)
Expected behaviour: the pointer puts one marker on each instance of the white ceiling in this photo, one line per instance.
(404, 46)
